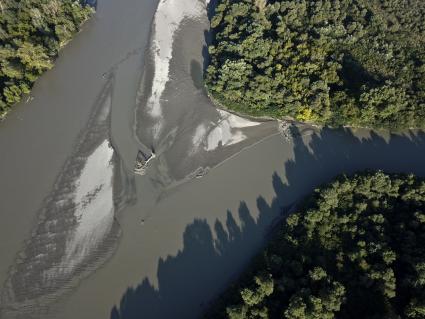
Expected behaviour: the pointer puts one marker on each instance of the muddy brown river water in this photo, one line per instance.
(82, 236)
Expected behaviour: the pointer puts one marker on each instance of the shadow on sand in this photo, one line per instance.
(214, 255)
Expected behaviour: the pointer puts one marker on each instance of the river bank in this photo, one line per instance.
(174, 116)
(197, 237)
(26, 55)
(176, 240)
(56, 129)
(183, 242)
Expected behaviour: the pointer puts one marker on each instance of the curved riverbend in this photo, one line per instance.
(93, 240)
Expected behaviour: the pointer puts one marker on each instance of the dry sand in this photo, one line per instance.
(164, 244)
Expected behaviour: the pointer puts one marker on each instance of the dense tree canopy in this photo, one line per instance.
(354, 249)
(31, 33)
(335, 62)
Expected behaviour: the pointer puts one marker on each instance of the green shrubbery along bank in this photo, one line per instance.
(330, 62)
(354, 249)
(31, 34)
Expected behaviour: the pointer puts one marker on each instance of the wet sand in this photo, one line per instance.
(201, 234)
(163, 244)
(174, 116)
(47, 143)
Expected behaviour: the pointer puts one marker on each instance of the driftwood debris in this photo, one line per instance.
(286, 130)
(142, 161)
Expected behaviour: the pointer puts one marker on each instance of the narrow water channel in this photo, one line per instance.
(64, 160)
(82, 236)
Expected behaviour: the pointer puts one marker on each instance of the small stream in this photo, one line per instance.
(82, 236)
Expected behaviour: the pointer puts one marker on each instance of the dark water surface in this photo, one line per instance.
(81, 236)
(200, 235)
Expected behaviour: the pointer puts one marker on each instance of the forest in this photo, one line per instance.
(330, 62)
(354, 249)
(31, 34)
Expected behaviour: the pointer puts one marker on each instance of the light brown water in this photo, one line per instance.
(45, 146)
(201, 234)
(148, 246)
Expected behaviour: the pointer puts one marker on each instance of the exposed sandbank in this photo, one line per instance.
(197, 234)
(174, 114)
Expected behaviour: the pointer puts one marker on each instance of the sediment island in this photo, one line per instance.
(150, 193)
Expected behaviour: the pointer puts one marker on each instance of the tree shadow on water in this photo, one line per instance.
(196, 73)
(213, 256)
(338, 151)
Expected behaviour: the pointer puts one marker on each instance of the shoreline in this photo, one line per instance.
(292, 120)
(28, 96)
(197, 232)
(179, 121)
(52, 127)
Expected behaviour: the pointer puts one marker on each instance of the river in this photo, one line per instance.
(82, 236)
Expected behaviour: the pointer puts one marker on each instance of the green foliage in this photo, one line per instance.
(253, 298)
(31, 33)
(333, 62)
(354, 249)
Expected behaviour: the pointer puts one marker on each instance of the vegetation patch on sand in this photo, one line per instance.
(354, 249)
(31, 34)
(329, 62)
